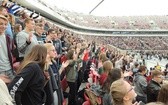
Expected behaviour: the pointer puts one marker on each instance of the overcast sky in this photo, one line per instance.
(114, 7)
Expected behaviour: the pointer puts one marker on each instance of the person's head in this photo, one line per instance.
(29, 24)
(157, 76)
(3, 24)
(136, 65)
(103, 57)
(107, 66)
(17, 28)
(3, 11)
(142, 70)
(70, 54)
(163, 94)
(113, 75)
(39, 29)
(51, 33)
(52, 53)
(122, 92)
(37, 54)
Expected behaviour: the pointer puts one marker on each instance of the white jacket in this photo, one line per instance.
(5, 98)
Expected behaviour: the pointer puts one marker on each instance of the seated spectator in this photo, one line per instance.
(122, 93)
(154, 86)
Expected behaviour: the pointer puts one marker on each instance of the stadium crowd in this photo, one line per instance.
(43, 64)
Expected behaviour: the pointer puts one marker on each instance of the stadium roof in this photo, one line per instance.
(113, 7)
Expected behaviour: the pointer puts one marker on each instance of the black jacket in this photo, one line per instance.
(152, 91)
(27, 87)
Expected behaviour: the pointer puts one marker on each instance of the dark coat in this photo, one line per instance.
(152, 91)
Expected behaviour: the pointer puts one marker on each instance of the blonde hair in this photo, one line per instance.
(107, 66)
(103, 57)
(156, 73)
(49, 46)
(118, 91)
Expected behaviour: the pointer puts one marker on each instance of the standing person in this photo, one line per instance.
(6, 46)
(140, 84)
(53, 87)
(154, 86)
(58, 47)
(8, 31)
(17, 29)
(50, 36)
(26, 39)
(57, 43)
(112, 76)
(27, 88)
(38, 32)
(72, 75)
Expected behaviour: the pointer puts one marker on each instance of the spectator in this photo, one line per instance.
(140, 84)
(27, 88)
(26, 39)
(4, 12)
(122, 93)
(163, 94)
(38, 32)
(54, 83)
(17, 29)
(154, 86)
(50, 36)
(135, 68)
(6, 46)
(107, 66)
(71, 75)
(113, 75)
(57, 43)
(5, 98)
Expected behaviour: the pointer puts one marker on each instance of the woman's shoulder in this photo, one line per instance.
(33, 66)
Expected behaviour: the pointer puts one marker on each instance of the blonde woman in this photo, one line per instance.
(53, 87)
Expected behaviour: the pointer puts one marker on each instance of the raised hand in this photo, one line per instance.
(65, 64)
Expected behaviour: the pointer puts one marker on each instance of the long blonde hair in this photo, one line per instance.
(49, 46)
(37, 55)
